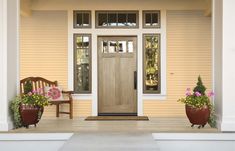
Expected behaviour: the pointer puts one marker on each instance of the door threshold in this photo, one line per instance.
(117, 118)
(117, 114)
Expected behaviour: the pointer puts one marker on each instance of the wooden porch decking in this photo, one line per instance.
(80, 125)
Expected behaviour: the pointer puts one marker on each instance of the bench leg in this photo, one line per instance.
(57, 110)
(71, 110)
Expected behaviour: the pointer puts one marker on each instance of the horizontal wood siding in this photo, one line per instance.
(80, 109)
(43, 46)
(188, 55)
(44, 52)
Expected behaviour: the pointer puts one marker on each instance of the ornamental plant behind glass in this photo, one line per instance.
(199, 99)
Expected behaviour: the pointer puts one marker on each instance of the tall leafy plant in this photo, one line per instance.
(200, 87)
(28, 87)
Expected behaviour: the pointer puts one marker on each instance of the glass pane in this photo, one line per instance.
(112, 46)
(131, 19)
(152, 61)
(86, 19)
(148, 19)
(112, 19)
(121, 19)
(155, 19)
(79, 19)
(86, 42)
(148, 42)
(130, 46)
(155, 42)
(105, 46)
(122, 46)
(102, 18)
(79, 42)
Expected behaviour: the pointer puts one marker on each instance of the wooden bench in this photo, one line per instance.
(39, 82)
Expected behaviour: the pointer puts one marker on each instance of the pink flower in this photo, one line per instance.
(198, 94)
(40, 91)
(30, 93)
(188, 93)
(210, 94)
(54, 93)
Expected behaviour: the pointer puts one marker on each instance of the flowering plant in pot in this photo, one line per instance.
(28, 108)
(198, 106)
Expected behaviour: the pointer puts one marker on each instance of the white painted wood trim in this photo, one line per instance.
(35, 136)
(193, 136)
(9, 45)
(228, 124)
(99, 32)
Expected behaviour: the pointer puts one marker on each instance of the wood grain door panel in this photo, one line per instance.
(116, 78)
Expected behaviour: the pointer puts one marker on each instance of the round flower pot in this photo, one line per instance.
(197, 116)
(30, 114)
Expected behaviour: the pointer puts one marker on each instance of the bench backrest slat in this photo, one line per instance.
(37, 83)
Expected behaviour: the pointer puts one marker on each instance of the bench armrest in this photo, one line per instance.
(68, 92)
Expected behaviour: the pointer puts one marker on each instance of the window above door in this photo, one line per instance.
(82, 19)
(151, 19)
(117, 19)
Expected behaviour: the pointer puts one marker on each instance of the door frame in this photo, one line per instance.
(97, 51)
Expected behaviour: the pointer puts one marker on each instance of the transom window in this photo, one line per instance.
(82, 19)
(117, 19)
(82, 63)
(151, 19)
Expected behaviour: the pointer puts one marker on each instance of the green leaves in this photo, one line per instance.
(200, 87)
(15, 112)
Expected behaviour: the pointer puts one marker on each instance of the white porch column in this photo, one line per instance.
(8, 58)
(224, 62)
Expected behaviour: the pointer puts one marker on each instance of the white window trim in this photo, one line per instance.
(139, 33)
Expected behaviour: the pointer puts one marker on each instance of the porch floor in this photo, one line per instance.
(154, 125)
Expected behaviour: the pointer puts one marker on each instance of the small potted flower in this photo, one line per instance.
(27, 108)
(198, 106)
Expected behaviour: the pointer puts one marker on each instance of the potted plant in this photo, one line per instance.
(198, 106)
(28, 108)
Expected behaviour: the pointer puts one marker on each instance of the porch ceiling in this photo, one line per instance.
(26, 6)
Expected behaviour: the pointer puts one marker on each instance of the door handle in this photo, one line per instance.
(135, 80)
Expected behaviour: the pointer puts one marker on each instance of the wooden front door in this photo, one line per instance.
(117, 76)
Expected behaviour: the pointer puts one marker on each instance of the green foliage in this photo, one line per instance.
(200, 87)
(28, 87)
(198, 99)
(15, 112)
(35, 98)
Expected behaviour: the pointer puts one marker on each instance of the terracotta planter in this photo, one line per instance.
(197, 116)
(30, 114)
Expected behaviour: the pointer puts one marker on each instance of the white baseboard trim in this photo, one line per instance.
(228, 124)
(194, 136)
(35, 136)
(6, 126)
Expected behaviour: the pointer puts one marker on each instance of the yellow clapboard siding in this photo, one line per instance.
(188, 55)
(43, 46)
(43, 52)
(80, 109)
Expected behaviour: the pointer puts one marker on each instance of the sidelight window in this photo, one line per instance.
(82, 63)
(151, 65)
